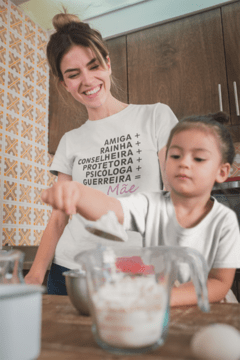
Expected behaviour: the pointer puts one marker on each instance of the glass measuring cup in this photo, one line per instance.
(129, 292)
(11, 265)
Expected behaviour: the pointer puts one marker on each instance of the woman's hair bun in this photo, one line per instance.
(221, 117)
(62, 19)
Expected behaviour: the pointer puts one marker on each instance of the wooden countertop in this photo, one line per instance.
(66, 335)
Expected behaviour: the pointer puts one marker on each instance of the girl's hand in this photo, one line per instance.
(64, 196)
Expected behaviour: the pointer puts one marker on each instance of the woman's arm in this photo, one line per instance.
(219, 282)
(50, 238)
(73, 197)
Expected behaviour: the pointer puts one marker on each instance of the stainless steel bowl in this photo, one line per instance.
(76, 285)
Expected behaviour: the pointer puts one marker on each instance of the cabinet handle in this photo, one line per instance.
(236, 97)
(220, 97)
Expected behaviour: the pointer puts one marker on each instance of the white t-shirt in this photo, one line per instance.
(216, 237)
(117, 155)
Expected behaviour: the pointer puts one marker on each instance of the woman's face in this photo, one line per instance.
(85, 78)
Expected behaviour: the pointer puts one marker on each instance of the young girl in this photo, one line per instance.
(199, 153)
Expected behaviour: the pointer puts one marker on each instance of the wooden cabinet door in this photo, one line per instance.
(231, 32)
(180, 64)
(65, 113)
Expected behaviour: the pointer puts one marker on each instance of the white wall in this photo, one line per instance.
(146, 13)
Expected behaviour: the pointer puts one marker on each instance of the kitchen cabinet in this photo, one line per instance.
(189, 63)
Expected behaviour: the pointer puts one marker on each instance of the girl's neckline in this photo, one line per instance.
(111, 117)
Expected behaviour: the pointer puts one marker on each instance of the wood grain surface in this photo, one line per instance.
(66, 335)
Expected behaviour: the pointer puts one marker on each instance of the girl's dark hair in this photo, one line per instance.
(71, 31)
(209, 123)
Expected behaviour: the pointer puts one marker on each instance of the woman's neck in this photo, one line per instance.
(110, 107)
(191, 211)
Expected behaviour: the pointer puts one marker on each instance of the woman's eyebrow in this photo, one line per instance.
(88, 64)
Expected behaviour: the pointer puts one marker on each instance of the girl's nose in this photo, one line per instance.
(185, 161)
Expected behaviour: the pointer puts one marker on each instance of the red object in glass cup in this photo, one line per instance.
(134, 265)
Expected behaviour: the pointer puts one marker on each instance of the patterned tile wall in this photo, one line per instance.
(24, 159)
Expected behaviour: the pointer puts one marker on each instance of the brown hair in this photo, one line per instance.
(71, 31)
(209, 123)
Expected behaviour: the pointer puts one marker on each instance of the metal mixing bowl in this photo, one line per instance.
(76, 285)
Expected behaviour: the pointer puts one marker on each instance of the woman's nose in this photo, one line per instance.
(86, 77)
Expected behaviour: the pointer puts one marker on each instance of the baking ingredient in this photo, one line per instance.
(217, 342)
(129, 312)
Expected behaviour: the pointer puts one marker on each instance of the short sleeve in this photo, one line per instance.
(165, 120)
(228, 252)
(61, 162)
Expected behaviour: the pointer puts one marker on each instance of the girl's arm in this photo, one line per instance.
(73, 197)
(51, 235)
(219, 282)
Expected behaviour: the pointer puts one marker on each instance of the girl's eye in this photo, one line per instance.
(72, 76)
(199, 159)
(175, 156)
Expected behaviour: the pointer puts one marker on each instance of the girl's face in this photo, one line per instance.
(194, 163)
(85, 78)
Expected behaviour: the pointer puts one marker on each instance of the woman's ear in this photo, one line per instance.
(63, 84)
(224, 171)
(108, 63)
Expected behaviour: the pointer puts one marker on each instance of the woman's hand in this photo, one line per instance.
(64, 196)
(33, 280)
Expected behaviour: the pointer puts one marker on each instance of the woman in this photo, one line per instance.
(115, 151)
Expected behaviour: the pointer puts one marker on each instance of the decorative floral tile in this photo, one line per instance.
(3, 34)
(9, 236)
(12, 124)
(13, 103)
(51, 179)
(16, 11)
(40, 135)
(11, 146)
(40, 78)
(16, 24)
(3, 14)
(37, 196)
(40, 117)
(24, 236)
(9, 214)
(39, 215)
(1, 97)
(25, 193)
(10, 191)
(15, 42)
(1, 120)
(10, 168)
(41, 98)
(3, 55)
(28, 49)
(39, 156)
(25, 172)
(14, 82)
(28, 91)
(25, 215)
(37, 236)
(39, 176)
(2, 75)
(27, 130)
(27, 110)
(14, 61)
(26, 151)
